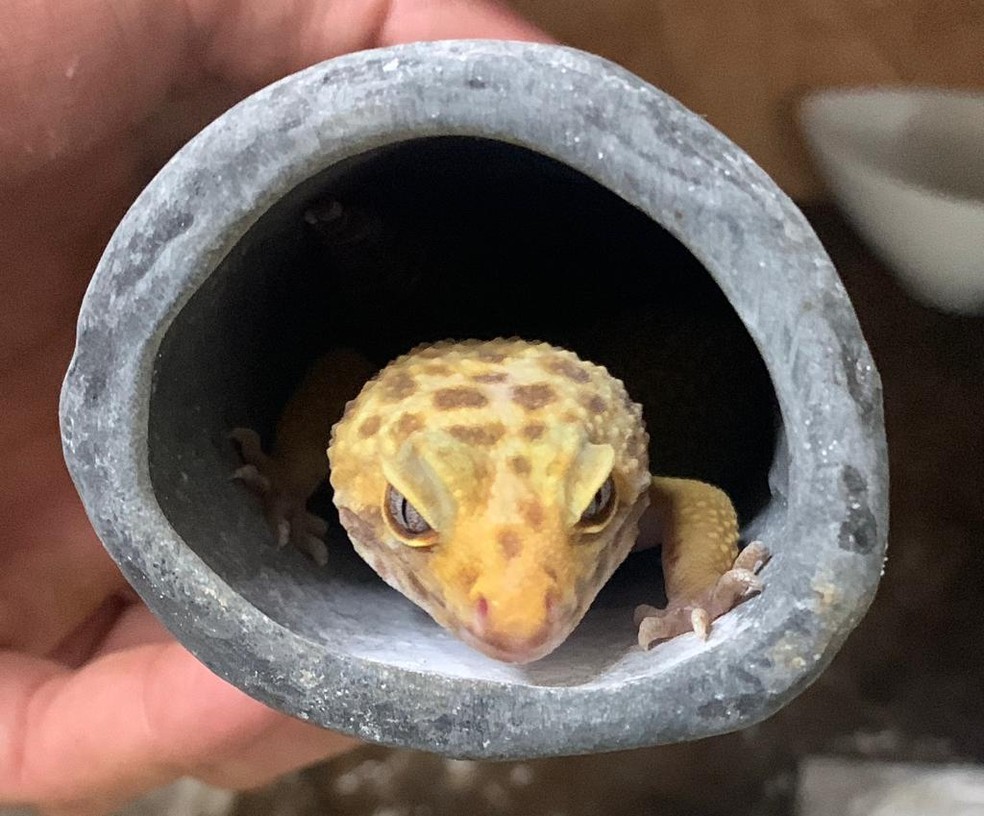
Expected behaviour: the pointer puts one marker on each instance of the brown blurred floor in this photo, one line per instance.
(907, 685)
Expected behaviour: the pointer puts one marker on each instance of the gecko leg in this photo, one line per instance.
(285, 479)
(705, 574)
(285, 510)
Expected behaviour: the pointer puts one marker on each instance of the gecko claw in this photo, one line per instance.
(282, 529)
(700, 622)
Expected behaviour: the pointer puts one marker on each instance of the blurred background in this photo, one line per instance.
(907, 686)
(744, 64)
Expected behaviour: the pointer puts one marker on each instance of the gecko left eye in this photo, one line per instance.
(406, 520)
(601, 508)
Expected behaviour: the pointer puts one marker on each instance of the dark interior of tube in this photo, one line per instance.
(442, 238)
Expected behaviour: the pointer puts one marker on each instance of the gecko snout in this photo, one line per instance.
(518, 623)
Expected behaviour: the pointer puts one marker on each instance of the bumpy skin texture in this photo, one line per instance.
(522, 472)
(501, 446)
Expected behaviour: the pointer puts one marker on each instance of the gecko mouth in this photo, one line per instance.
(517, 648)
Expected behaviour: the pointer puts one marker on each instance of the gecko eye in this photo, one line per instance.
(405, 519)
(601, 508)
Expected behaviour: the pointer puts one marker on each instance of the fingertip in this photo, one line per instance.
(182, 694)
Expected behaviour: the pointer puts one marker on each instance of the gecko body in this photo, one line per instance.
(498, 485)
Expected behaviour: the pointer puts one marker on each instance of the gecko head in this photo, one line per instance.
(496, 484)
(510, 544)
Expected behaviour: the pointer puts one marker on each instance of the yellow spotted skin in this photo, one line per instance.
(506, 451)
(500, 446)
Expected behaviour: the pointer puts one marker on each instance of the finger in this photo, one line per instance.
(131, 721)
(428, 20)
(53, 572)
(78, 648)
(83, 55)
(285, 37)
(286, 745)
(135, 626)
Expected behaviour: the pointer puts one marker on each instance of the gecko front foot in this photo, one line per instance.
(695, 614)
(285, 510)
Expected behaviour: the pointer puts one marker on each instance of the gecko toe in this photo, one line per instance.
(250, 446)
(250, 476)
(662, 624)
(315, 549)
(315, 525)
(282, 533)
(732, 588)
(700, 622)
(755, 556)
(644, 611)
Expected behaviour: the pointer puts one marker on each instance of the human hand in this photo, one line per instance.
(98, 703)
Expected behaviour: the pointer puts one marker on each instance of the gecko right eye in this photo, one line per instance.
(405, 519)
(601, 509)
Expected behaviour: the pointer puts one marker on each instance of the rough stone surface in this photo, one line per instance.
(163, 368)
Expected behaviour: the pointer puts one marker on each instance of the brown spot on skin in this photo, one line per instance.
(467, 576)
(497, 377)
(398, 386)
(594, 403)
(491, 356)
(369, 427)
(533, 431)
(485, 435)
(532, 512)
(533, 396)
(510, 543)
(568, 368)
(406, 425)
(447, 399)
(520, 465)
(437, 369)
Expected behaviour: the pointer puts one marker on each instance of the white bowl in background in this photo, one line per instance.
(907, 167)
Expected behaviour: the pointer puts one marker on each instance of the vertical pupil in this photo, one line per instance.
(410, 517)
(599, 499)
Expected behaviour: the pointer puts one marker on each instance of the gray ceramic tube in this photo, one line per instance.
(523, 189)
